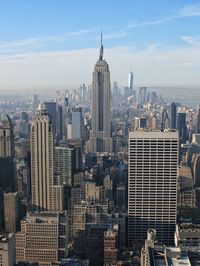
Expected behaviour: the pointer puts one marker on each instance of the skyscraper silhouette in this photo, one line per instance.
(100, 140)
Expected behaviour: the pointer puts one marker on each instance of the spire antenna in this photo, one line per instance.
(101, 48)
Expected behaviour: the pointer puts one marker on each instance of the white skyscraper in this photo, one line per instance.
(100, 140)
(152, 184)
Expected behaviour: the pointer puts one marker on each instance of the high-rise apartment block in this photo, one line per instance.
(100, 139)
(152, 184)
(43, 238)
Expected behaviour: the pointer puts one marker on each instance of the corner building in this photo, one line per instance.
(152, 184)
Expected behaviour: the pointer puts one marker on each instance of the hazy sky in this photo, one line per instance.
(55, 43)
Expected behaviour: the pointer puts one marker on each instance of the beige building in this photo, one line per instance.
(44, 195)
(100, 139)
(43, 238)
(7, 250)
(11, 212)
(6, 137)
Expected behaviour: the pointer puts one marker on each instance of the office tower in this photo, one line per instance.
(11, 212)
(64, 164)
(7, 250)
(110, 247)
(116, 90)
(77, 123)
(132, 92)
(59, 133)
(35, 100)
(130, 82)
(50, 108)
(164, 119)
(6, 137)
(42, 159)
(152, 184)
(173, 115)
(198, 119)
(43, 238)
(7, 173)
(100, 140)
(181, 127)
(142, 95)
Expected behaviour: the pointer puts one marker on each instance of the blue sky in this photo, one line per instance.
(46, 43)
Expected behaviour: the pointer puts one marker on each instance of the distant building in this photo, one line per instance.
(64, 164)
(181, 127)
(50, 108)
(77, 123)
(43, 238)
(173, 115)
(6, 137)
(198, 119)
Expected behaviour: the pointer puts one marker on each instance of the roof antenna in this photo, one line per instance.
(101, 49)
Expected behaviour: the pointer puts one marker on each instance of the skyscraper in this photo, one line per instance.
(152, 184)
(198, 119)
(77, 123)
(42, 161)
(130, 82)
(181, 126)
(6, 137)
(173, 114)
(100, 140)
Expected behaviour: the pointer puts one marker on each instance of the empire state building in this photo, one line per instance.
(100, 139)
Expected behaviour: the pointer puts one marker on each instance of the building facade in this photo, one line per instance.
(152, 184)
(100, 139)
(43, 238)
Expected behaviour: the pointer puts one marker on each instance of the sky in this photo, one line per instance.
(55, 43)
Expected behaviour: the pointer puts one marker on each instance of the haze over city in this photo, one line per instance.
(47, 44)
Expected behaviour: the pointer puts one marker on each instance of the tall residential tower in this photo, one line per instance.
(100, 139)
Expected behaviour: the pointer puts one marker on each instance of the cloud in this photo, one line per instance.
(38, 42)
(68, 69)
(189, 11)
(191, 40)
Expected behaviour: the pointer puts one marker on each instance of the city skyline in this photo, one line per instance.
(158, 41)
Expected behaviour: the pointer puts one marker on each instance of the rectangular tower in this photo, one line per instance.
(42, 160)
(152, 184)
